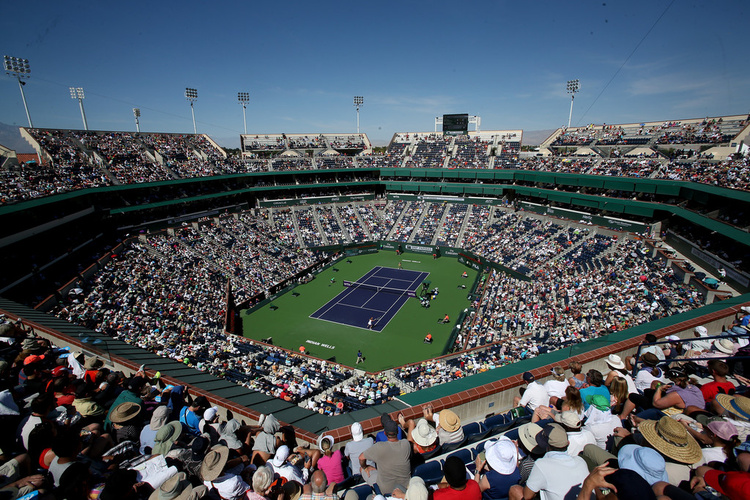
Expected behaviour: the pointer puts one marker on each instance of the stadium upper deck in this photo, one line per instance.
(73, 160)
(715, 137)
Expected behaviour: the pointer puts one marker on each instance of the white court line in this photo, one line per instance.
(346, 292)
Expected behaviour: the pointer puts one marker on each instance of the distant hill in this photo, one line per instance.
(11, 138)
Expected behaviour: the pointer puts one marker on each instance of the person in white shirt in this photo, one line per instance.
(618, 369)
(556, 386)
(555, 474)
(599, 420)
(534, 395)
(578, 437)
(700, 345)
(657, 349)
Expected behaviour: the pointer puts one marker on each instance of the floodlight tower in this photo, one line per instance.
(137, 114)
(243, 98)
(573, 87)
(77, 93)
(19, 69)
(358, 101)
(192, 96)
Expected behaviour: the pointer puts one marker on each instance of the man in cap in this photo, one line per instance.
(533, 395)
(392, 465)
(356, 447)
(556, 473)
(380, 436)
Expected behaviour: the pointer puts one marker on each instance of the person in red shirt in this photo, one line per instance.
(457, 487)
(720, 385)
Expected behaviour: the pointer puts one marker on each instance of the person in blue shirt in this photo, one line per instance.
(190, 416)
(380, 436)
(595, 381)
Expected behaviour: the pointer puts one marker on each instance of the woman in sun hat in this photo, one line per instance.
(498, 471)
(447, 424)
(177, 487)
(148, 433)
(527, 434)
(617, 369)
(167, 435)
(725, 346)
(721, 437)
(671, 439)
(228, 485)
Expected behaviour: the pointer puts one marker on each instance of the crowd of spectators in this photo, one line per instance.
(470, 153)
(165, 291)
(308, 228)
(329, 223)
(354, 227)
(450, 229)
(679, 430)
(81, 159)
(566, 303)
(429, 152)
(403, 217)
(430, 223)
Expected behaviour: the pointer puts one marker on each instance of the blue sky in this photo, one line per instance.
(302, 63)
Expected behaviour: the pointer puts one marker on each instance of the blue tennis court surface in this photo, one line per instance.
(379, 294)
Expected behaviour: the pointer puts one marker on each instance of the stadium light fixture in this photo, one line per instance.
(77, 93)
(358, 101)
(192, 96)
(573, 87)
(137, 114)
(244, 98)
(19, 69)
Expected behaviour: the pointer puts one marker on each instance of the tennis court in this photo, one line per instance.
(379, 294)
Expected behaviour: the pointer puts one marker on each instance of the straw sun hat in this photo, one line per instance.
(737, 405)
(671, 439)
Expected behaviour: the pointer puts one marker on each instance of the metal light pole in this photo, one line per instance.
(358, 101)
(192, 96)
(573, 87)
(77, 93)
(19, 68)
(137, 114)
(243, 98)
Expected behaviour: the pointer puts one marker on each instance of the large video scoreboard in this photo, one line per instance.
(456, 124)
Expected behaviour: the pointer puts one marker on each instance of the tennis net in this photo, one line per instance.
(379, 289)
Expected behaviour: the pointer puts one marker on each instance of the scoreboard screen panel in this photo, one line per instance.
(456, 124)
